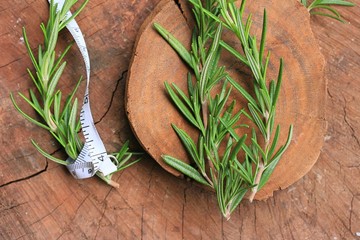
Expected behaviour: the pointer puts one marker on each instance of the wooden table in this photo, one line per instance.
(40, 199)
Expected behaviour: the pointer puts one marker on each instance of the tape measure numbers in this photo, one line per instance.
(93, 157)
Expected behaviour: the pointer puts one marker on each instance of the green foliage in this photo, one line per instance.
(59, 116)
(62, 122)
(215, 116)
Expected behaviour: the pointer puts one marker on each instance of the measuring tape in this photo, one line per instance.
(93, 157)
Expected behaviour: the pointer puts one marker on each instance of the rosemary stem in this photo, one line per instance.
(268, 132)
(108, 180)
(254, 190)
(205, 112)
(112, 183)
(48, 118)
(262, 163)
(208, 179)
(212, 168)
(228, 211)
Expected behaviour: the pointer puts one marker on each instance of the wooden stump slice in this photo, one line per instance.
(301, 101)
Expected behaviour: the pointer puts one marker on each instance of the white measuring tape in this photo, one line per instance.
(93, 157)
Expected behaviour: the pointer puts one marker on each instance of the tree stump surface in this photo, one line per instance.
(41, 200)
(301, 101)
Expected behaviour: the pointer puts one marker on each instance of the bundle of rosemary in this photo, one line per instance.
(59, 116)
(247, 162)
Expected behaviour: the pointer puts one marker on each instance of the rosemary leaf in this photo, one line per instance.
(179, 48)
(185, 168)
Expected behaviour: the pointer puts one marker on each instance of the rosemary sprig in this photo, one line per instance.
(61, 121)
(327, 6)
(262, 108)
(208, 114)
(222, 170)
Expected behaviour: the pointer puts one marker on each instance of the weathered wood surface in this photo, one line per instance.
(301, 101)
(40, 200)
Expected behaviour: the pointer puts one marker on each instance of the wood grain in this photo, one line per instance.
(39, 202)
(301, 101)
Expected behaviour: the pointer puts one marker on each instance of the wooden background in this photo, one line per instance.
(40, 200)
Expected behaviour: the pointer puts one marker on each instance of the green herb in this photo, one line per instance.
(215, 117)
(61, 121)
(262, 108)
(327, 7)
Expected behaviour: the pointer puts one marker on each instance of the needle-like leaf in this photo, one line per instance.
(185, 169)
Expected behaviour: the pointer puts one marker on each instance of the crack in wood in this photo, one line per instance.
(22, 236)
(97, 5)
(184, 194)
(49, 213)
(123, 74)
(222, 228)
(12, 206)
(34, 174)
(291, 232)
(354, 166)
(353, 132)
(103, 212)
(62, 234)
(9, 63)
(178, 4)
(355, 196)
(182, 220)
(329, 93)
(142, 222)
(101, 218)
(183, 212)
(73, 218)
(343, 221)
(255, 221)
(241, 223)
(27, 177)
(82, 202)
